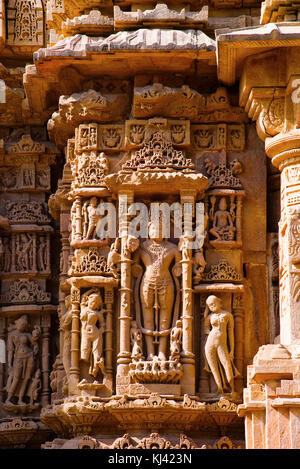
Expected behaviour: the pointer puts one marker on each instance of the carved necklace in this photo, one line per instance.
(157, 251)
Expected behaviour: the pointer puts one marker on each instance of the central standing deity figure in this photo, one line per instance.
(157, 291)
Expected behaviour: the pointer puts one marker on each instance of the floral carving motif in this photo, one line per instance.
(25, 292)
(27, 212)
(223, 176)
(158, 153)
(222, 271)
(91, 263)
(91, 169)
(156, 371)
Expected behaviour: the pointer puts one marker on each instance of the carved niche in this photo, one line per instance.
(218, 137)
(224, 202)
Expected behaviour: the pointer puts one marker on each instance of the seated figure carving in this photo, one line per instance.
(223, 229)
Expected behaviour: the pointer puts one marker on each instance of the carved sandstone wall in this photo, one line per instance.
(141, 341)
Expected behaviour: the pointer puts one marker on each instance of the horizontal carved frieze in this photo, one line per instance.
(25, 292)
(218, 136)
(161, 15)
(27, 212)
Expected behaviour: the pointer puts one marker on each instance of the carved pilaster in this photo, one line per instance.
(125, 199)
(188, 357)
(75, 341)
(285, 154)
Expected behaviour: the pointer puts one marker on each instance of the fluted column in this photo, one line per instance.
(284, 149)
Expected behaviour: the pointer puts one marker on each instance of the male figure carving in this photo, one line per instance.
(223, 228)
(157, 290)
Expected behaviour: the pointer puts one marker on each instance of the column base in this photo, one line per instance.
(271, 404)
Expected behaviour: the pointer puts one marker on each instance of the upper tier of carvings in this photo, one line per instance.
(65, 18)
(27, 25)
(151, 442)
(157, 153)
(184, 102)
(148, 102)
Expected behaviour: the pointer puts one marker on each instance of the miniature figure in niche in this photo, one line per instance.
(223, 228)
(92, 331)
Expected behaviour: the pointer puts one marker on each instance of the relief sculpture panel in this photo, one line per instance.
(135, 280)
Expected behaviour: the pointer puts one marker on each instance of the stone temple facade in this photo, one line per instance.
(113, 338)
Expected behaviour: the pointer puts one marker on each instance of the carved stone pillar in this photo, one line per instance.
(75, 341)
(273, 387)
(188, 357)
(13, 252)
(124, 355)
(45, 359)
(239, 335)
(2, 337)
(284, 149)
(271, 399)
(78, 218)
(109, 300)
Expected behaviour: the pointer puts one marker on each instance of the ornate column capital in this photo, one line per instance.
(284, 148)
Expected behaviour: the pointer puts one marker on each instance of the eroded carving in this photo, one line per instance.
(23, 375)
(27, 212)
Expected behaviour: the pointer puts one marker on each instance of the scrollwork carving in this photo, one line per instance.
(27, 212)
(25, 292)
(158, 153)
(222, 271)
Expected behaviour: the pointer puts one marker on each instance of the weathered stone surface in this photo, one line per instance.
(119, 333)
(152, 39)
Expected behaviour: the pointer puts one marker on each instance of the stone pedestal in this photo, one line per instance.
(272, 399)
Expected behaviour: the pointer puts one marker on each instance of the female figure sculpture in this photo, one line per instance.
(219, 347)
(91, 335)
(176, 340)
(22, 349)
(136, 342)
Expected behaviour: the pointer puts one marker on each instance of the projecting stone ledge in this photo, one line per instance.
(235, 46)
(142, 39)
(268, 32)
